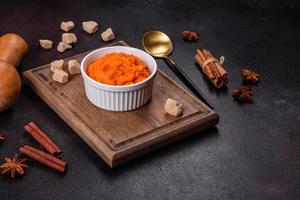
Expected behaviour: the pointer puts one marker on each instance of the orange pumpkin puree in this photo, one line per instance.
(118, 69)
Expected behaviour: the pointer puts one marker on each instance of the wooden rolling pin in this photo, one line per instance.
(12, 49)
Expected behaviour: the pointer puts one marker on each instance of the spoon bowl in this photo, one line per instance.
(157, 43)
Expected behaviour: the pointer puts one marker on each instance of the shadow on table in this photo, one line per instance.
(6, 117)
(208, 134)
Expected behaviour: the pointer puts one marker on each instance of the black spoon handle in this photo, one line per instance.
(187, 81)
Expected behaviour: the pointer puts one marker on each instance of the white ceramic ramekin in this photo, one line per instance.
(119, 98)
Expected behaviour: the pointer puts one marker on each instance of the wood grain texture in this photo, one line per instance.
(120, 136)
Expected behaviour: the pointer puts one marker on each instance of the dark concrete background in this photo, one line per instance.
(253, 153)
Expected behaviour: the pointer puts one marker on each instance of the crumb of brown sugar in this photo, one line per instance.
(74, 67)
(69, 38)
(62, 47)
(60, 76)
(46, 44)
(90, 26)
(67, 26)
(172, 107)
(56, 65)
(108, 35)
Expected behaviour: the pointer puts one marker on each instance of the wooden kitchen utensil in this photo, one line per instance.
(12, 49)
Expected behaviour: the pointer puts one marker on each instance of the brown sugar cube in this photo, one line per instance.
(62, 47)
(57, 65)
(172, 107)
(67, 26)
(90, 26)
(74, 67)
(46, 44)
(69, 38)
(108, 35)
(60, 76)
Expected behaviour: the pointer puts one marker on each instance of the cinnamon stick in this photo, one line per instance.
(217, 81)
(44, 135)
(221, 70)
(211, 65)
(201, 59)
(47, 156)
(40, 139)
(46, 161)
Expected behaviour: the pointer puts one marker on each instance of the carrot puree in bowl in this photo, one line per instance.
(118, 69)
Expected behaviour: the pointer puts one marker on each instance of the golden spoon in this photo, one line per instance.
(159, 45)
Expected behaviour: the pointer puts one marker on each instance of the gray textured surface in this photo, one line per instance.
(252, 154)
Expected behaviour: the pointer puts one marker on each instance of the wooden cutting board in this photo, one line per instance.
(120, 136)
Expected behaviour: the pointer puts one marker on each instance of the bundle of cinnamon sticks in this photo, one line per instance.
(212, 67)
(47, 159)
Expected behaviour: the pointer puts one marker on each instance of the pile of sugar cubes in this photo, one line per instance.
(69, 39)
(59, 74)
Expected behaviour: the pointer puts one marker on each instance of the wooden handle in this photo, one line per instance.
(12, 49)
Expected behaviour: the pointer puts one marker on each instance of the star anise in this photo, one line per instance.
(250, 76)
(2, 138)
(13, 166)
(243, 94)
(189, 35)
